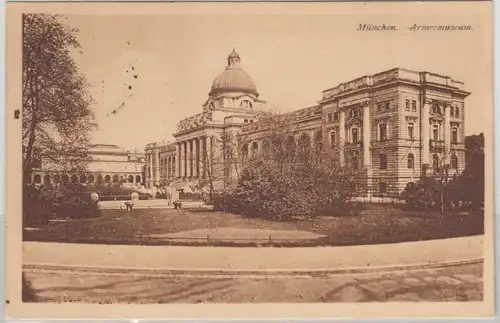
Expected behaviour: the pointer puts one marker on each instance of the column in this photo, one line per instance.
(150, 169)
(197, 160)
(203, 147)
(342, 136)
(425, 131)
(209, 153)
(177, 158)
(189, 158)
(182, 160)
(157, 168)
(367, 163)
(447, 134)
(366, 136)
(167, 175)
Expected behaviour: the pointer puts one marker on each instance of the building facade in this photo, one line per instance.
(107, 164)
(391, 127)
(232, 102)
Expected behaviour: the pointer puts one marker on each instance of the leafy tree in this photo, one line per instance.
(286, 177)
(57, 117)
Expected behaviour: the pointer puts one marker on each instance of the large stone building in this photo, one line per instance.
(391, 127)
(107, 164)
(232, 102)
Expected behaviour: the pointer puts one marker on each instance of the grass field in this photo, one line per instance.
(374, 224)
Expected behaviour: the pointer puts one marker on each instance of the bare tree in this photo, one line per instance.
(57, 117)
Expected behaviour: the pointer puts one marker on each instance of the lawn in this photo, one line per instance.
(374, 224)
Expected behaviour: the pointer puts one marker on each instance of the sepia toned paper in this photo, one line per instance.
(295, 52)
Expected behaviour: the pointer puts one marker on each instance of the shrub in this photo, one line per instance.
(267, 191)
(424, 194)
(71, 200)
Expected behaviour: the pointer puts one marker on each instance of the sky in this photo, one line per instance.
(149, 71)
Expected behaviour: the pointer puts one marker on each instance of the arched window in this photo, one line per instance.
(91, 179)
(138, 178)
(46, 180)
(37, 179)
(435, 162)
(383, 161)
(255, 149)
(265, 147)
(245, 104)
(411, 161)
(318, 141)
(411, 132)
(99, 179)
(115, 178)
(454, 162)
(107, 179)
(244, 151)
(454, 135)
(435, 132)
(57, 179)
(83, 179)
(130, 179)
(74, 179)
(304, 144)
(354, 135)
(65, 179)
(290, 146)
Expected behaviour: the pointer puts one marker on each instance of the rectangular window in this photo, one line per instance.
(383, 132)
(251, 121)
(410, 131)
(414, 105)
(379, 107)
(452, 112)
(330, 117)
(355, 138)
(407, 105)
(387, 106)
(454, 135)
(382, 188)
(336, 116)
(245, 121)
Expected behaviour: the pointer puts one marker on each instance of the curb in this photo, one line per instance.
(243, 272)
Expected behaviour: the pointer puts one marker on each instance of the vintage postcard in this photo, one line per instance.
(249, 160)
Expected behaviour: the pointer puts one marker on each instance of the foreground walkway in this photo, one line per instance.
(256, 259)
(458, 283)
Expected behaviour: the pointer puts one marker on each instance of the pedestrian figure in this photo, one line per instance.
(177, 205)
(129, 205)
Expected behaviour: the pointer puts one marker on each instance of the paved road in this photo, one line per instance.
(319, 258)
(458, 283)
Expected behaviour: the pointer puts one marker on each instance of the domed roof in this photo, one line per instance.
(234, 78)
(106, 149)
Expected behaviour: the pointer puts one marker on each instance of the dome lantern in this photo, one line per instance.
(233, 59)
(233, 78)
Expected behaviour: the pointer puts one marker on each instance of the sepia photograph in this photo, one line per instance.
(250, 156)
